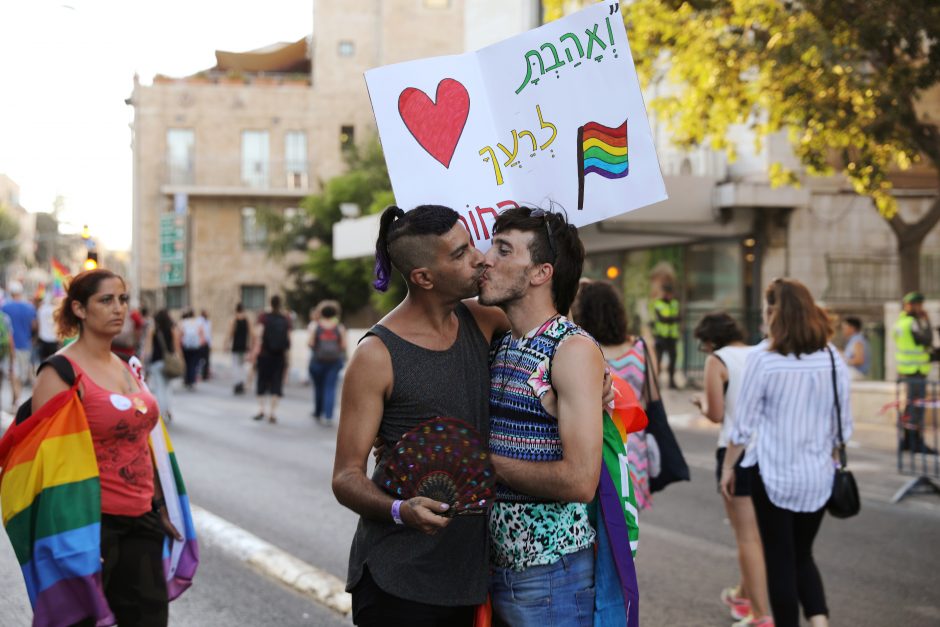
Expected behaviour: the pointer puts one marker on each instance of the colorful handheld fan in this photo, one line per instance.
(444, 459)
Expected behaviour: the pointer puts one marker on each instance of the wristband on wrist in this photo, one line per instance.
(396, 512)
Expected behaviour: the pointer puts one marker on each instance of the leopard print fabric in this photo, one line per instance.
(535, 534)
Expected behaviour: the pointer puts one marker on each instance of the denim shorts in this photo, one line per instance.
(554, 595)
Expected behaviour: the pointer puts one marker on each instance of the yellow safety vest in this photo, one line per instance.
(666, 309)
(911, 357)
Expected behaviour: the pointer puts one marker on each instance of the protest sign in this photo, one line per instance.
(554, 115)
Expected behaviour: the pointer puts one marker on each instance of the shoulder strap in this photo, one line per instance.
(62, 366)
(843, 459)
(160, 339)
(648, 374)
(66, 372)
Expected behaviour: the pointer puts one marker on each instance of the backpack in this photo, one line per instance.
(63, 368)
(276, 336)
(326, 344)
(5, 339)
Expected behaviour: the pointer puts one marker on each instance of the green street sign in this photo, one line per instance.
(172, 249)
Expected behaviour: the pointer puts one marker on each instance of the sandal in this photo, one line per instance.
(272, 419)
(258, 417)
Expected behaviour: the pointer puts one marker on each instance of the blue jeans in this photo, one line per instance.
(555, 595)
(324, 375)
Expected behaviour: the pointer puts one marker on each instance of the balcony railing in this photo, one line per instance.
(876, 279)
(284, 175)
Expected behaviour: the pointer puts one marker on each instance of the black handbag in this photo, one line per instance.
(844, 501)
(672, 463)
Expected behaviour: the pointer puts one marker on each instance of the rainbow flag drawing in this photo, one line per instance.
(601, 150)
(59, 274)
(52, 512)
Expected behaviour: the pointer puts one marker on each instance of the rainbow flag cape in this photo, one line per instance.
(50, 496)
(614, 514)
(59, 274)
(601, 150)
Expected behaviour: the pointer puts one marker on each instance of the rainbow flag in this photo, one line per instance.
(59, 274)
(614, 514)
(52, 512)
(601, 150)
(180, 559)
(50, 496)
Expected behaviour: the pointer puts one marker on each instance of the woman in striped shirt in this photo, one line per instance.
(787, 399)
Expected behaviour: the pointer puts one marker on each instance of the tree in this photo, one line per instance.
(845, 78)
(9, 230)
(319, 276)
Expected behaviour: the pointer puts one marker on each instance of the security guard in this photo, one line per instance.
(913, 340)
(666, 330)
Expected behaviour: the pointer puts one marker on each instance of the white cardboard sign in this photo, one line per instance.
(554, 114)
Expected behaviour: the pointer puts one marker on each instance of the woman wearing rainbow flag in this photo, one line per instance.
(82, 497)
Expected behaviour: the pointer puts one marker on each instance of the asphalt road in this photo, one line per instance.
(274, 481)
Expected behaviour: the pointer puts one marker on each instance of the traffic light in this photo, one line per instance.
(92, 261)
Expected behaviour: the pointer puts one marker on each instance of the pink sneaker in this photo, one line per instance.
(750, 621)
(740, 607)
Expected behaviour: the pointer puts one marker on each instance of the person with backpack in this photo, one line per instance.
(327, 356)
(271, 362)
(121, 413)
(6, 354)
(193, 339)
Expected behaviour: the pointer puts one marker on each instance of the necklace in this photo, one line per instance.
(522, 343)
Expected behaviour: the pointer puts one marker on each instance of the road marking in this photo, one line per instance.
(272, 561)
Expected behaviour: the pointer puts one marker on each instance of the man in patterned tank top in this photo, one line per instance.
(546, 435)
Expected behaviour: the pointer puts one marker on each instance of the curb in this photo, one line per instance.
(272, 561)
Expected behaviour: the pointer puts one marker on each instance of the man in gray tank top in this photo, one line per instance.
(408, 564)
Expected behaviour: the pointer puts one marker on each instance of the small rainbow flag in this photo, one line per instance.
(52, 512)
(601, 150)
(59, 274)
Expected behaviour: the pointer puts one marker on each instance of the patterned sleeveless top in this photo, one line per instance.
(524, 531)
(631, 367)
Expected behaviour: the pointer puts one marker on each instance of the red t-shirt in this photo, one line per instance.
(120, 425)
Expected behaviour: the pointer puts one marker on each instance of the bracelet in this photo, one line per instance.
(158, 504)
(396, 512)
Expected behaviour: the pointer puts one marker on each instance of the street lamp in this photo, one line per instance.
(91, 261)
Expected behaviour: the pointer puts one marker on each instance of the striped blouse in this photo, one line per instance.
(788, 402)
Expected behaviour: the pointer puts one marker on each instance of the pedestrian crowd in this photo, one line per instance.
(532, 515)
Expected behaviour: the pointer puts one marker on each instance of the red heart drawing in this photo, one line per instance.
(436, 126)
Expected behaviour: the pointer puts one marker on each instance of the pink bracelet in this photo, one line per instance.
(396, 512)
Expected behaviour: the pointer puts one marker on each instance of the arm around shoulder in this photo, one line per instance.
(491, 320)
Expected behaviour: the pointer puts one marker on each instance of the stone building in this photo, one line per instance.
(263, 129)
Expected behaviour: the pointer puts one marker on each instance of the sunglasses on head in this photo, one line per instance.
(541, 213)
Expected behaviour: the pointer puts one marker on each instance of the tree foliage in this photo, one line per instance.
(845, 79)
(842, 77)
(319, 276)
(9, 230)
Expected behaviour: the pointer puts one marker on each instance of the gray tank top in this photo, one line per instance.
(451, 567)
